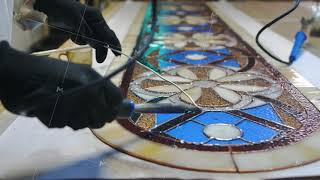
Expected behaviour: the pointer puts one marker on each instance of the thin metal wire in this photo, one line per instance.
(107, 45)
(165, 79)
(45, 53)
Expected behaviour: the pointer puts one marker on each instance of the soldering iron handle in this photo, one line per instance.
(125, 109)
(301, 37)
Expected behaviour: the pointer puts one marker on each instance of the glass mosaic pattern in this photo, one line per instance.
(252, 117)
(213, 66)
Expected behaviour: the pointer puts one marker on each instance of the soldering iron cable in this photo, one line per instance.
(295, 6)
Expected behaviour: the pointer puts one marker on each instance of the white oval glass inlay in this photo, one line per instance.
(222, 131)
(196, 56)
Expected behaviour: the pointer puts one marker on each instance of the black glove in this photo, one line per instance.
(81, 19)
(28, 81)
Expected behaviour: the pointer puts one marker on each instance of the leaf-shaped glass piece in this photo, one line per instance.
(187, 73)
(244, 88)
(238, 77)
(180, 44)
(202, 36)
(172, 78)
(255, 102)
(216, 73)
(175, 37)
(170, 20)
(228, 95)
(169, 88)
(202, 44)
(195, 94)
(194, 20)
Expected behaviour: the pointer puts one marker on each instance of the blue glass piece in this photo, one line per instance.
(177, 13)
(190, 132)
(255, 132)
(266, 112)
(162, 118)
(164, 64)
(223, 143)
(217, 117)
(182, 57)
(186, 28)
(224, 51)
(232, 63)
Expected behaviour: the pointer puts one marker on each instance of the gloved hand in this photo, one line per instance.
(81, 19)
(28, 81)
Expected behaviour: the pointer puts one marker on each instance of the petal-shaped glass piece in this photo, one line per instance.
(191, 8)
(216, 73)
(169, 7)
(194, 20)
(180, 44)
(202, 44)
(175, 37)
(238, 77)
(172, 78)
(255, 102)
(202, 36)
(169, 88)
(243, 87)
(187, 73)
(227, 95)
(170, 20)
(195, 94)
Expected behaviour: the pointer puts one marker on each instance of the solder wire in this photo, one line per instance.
(94, 83)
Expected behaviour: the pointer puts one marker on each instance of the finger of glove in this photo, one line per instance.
(101, 30)
(104, 33)
(114, 43)
(101, 54)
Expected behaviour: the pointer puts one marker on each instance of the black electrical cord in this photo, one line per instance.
(295, 6)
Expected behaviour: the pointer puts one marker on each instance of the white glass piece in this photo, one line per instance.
(170, 20)
(172, 78)
(196, 57)
(217, 74)
(202, 44)
(180, 44)
(194, 20)
(244, 88)
(195, 94)
(190, 8)
(225, 132)
(202, 36)
(186, 73)
(145, 96)
(185, 28)
(169, 88)
(238, 77)
(255, 103)
(228, 95)
(175, 37)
